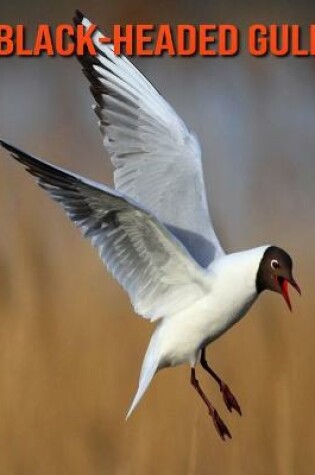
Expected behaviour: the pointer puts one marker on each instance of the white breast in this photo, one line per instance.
(232, 294)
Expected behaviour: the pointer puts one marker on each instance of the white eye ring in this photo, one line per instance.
(275, 264)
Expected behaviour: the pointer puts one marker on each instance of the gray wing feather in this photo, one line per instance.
(157, 160)
(151, 265)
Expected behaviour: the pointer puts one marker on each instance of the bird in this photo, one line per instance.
(153, 230)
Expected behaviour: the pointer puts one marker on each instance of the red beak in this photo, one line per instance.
(284, 283)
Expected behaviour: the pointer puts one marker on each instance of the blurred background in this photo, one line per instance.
(71, 347)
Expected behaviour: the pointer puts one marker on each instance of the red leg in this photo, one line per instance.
(221, 428)
(229, 398)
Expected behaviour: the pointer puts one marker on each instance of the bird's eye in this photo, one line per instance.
(275, 264)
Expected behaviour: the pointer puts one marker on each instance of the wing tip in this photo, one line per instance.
(10, 148)
(78, 17)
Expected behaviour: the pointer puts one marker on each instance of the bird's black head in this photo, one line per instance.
(275, 273)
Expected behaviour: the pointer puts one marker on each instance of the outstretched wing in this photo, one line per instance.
(157, 160)
(152, 266)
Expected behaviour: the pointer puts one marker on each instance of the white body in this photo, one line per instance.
(179, 338)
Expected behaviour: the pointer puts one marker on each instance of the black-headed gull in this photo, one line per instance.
(154, 232)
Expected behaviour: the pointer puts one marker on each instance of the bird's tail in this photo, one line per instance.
(149, 367)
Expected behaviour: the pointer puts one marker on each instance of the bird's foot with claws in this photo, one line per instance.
(220, 426)
(229, 399)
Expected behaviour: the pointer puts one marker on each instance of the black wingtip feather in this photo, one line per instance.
(88, 62)
(14, 152)
(7, 146)
(39, 168)
(77, 19)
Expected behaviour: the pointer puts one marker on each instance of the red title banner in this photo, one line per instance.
(155, 40)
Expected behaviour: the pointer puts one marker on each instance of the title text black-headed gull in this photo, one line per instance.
(154, 232)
